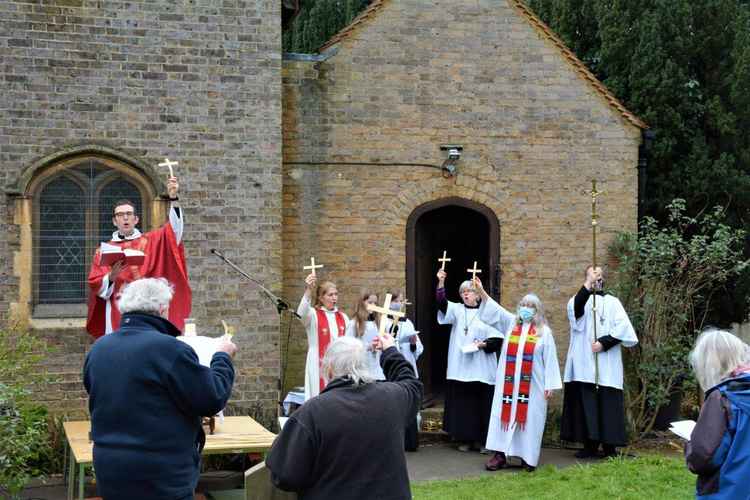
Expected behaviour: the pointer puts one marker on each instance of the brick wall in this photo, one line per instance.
(420, 74)
(198, 81)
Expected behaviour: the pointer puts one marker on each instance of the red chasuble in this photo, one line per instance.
(165, 258)
(324, 337)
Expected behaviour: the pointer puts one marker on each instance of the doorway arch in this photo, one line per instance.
(468, 231)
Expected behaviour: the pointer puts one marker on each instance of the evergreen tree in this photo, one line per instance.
(683, 66)
(318, 21)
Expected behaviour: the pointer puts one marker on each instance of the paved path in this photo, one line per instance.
(433, 461)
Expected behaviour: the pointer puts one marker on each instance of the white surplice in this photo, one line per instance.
(545, 376)
(477, 366)
(611, 320)
(373, 356)
(406, 331)
(312, 363)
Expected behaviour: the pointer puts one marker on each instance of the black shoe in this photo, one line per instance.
(527, 467)
(610, 451)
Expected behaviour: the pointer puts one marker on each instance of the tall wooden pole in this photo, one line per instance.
(594, 222)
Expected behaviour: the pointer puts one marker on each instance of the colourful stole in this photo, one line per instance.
(324, 337)
(524, 387)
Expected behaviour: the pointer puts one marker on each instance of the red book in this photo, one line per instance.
(109, 254)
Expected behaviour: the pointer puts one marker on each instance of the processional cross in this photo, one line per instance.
(594, 193)
(385, 312)
(312, 266)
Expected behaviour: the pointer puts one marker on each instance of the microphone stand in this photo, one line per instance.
(281, 306)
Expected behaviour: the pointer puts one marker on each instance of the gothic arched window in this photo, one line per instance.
(73, 203)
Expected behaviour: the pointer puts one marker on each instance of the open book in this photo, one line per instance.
(109, 254)
(683, 428)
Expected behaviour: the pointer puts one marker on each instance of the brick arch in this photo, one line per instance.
(411, 227)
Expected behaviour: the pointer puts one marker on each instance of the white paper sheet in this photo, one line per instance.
(683, 428)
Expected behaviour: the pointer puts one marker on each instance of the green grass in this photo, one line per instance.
(648, 477)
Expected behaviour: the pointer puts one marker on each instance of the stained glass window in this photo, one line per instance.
(74, 215)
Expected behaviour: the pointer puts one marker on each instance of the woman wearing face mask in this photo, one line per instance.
(527, 374)
(324, 323)
(471, 366)
(364, 326)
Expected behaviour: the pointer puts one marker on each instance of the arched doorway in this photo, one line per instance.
(469, 232)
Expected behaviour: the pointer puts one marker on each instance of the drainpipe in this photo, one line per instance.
(644, 151)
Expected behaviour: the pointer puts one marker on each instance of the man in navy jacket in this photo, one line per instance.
(147, 394)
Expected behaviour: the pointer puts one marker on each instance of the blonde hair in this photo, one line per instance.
(716, 354)
(361, 314)
(321, 290)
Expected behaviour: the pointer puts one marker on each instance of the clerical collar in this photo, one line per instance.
(116, 236)
(473, 307)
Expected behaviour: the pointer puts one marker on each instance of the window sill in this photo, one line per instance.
(67, 316)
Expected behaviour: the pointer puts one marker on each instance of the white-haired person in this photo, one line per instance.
(719, 447)
(147, 394)
(472, 362)
(527, 374)
(348, 442)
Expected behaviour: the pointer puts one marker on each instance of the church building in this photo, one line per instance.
(422, 127)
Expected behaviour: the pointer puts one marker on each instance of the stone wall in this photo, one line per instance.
(197, 81)
(416, 75)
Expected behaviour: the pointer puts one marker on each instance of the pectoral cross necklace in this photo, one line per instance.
(468, 323)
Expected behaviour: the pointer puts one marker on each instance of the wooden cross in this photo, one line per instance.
(474, 271)
(444, 260)
(312, 266)
(384, 311)
(228, 330)
(168, 163)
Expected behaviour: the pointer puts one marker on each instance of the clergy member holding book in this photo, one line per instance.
(163, 257)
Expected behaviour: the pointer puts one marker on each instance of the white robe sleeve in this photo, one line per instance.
(552, 379)
(305, 311)
(351, 329)
(420, 348)
(449, 317)
(621, 329)
(497, 316)
(177, 223)
(576, 325)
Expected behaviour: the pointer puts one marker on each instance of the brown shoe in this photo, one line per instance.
(497, 462)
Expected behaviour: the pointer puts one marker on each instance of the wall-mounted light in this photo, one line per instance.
(449, 166)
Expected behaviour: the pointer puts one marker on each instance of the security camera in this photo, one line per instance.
(454, 153)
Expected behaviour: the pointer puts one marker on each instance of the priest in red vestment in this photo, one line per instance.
(165, 258)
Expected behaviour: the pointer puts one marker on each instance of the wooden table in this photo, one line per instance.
(234, 435)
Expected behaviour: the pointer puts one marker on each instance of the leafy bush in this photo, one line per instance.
(23, 424)
(666, 278)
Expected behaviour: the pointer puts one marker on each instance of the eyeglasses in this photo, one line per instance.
(120, 215)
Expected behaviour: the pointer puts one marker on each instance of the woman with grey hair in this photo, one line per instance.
(527, 373)
(719, 447)
(472, 362)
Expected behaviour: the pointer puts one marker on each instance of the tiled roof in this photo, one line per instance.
(539, 26)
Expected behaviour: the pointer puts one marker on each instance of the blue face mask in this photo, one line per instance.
(526, 313)
(395, 306)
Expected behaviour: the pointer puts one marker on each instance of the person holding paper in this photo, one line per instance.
(163, 257)
(527, 374)
(719, 447)
(593, 403)
(472, 362)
